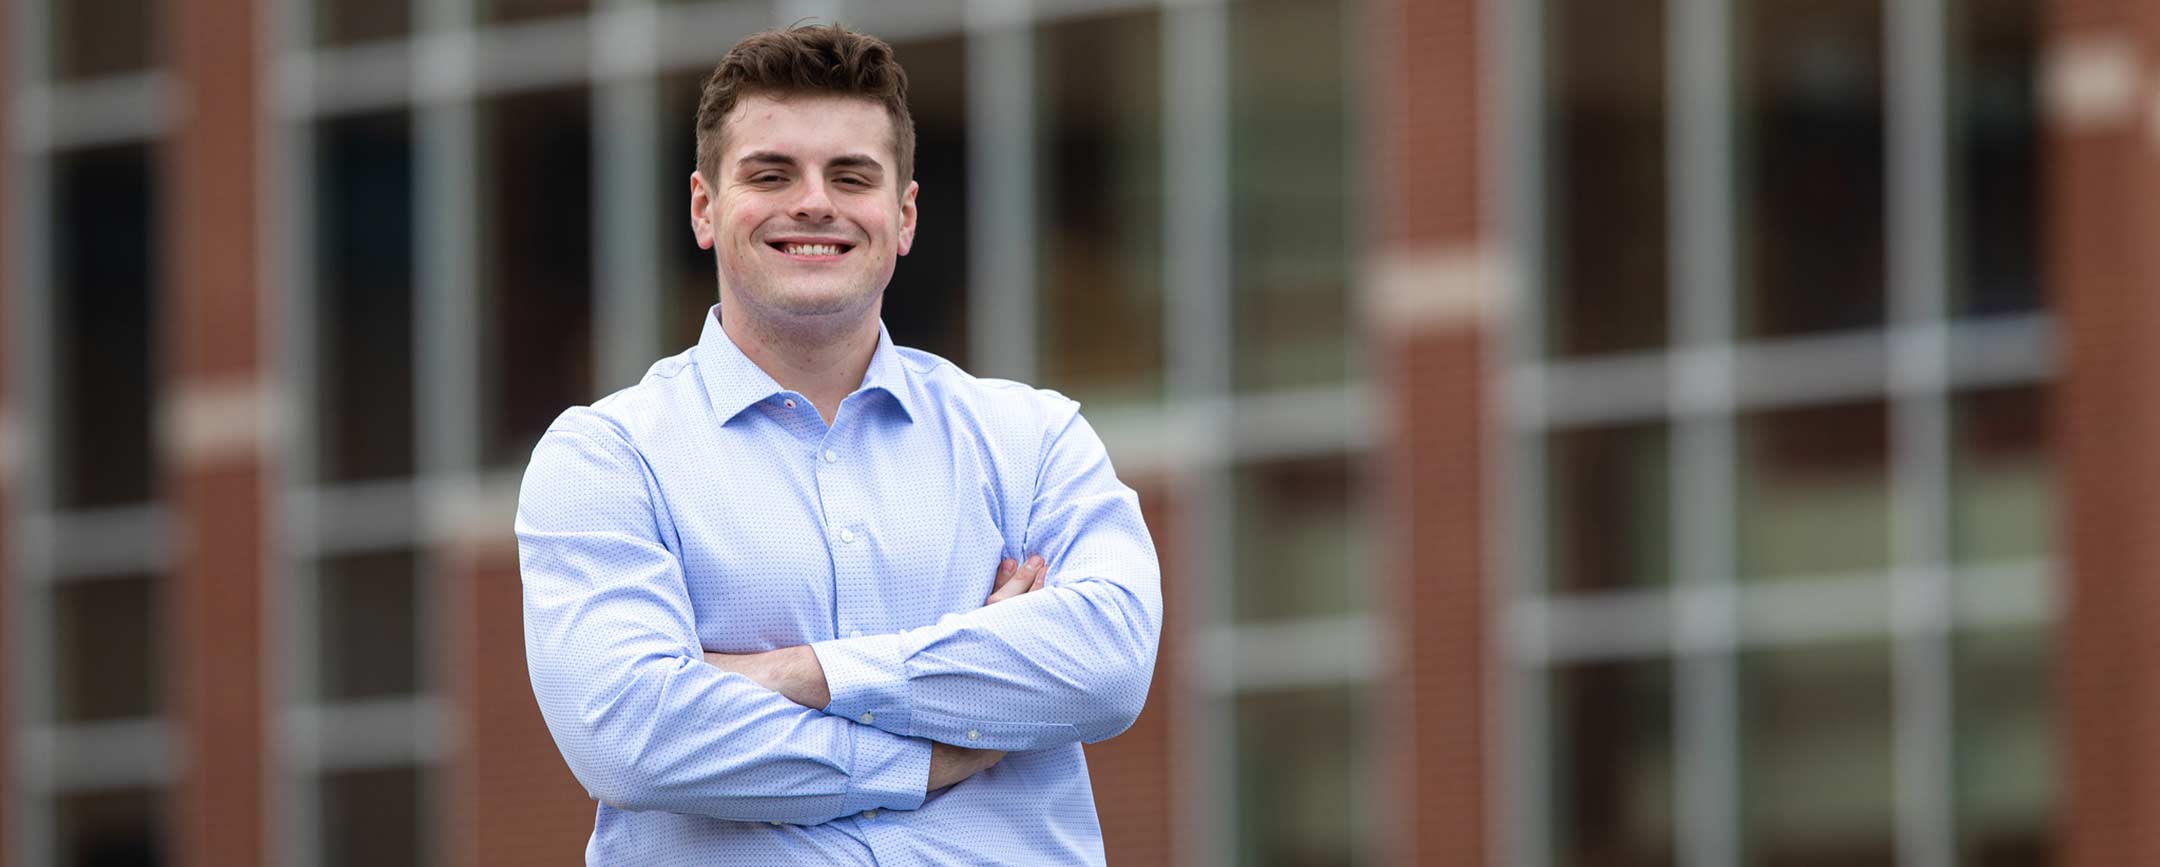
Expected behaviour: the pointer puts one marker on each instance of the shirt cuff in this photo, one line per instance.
(868, 680)
(890, 772)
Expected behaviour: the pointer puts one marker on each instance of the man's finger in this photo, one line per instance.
(1042, 574)
(1011, 581)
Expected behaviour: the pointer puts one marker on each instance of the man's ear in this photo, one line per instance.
(701, 200)
(907, 217)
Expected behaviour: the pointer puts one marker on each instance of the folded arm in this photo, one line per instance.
(619, 675)
(1070, 662)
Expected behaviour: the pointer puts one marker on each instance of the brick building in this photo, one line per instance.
(1578, 432)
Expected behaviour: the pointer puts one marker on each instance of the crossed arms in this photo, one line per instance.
(808, 734)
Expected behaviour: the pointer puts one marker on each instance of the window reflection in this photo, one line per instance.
(105, 37)
(364, 289)
(367, 611)
(1300, 775)
(1612, 765)
(1300, 551)
(108, 639)
(536, 274)
(926, 305)
(105, 287)
(2002, 480)
(1815, 733)
(1099, 191)
(1605, 211)
(2006, 772)
(1608, 508)
(1996, 205)
(1810, 158)
(1814, 491)
(686, 270)
(1291, 190)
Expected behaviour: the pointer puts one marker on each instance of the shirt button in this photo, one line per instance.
(867, 717)
(847, 536)
(790, 405)
(831, 456)
(974, 735)
(854, 633)
(776, 821)
(869, 814)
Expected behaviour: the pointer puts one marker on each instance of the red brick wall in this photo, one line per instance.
(1131, 772)
(512, 800)
(214, 298)
(1428, 208)
(2104, 269)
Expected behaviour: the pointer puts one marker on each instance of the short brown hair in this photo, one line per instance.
(823, 59)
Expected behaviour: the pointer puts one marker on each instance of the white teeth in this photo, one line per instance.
(812, 249)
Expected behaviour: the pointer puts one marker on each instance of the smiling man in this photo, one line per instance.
(802, 596)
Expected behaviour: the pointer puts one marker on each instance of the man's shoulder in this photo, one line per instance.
(986, 399)
(633, 413)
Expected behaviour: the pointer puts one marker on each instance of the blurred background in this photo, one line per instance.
(1578, 432)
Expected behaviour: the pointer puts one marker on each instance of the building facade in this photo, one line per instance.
(1577, 432)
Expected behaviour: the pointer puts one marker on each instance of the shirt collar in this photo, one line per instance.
(733, 382)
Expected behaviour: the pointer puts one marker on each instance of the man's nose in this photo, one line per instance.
(814, 204)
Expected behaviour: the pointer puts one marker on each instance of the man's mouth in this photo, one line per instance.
(811, 249)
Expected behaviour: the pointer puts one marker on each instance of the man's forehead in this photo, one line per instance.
(808, 128)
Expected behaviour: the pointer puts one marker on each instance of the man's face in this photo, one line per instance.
(806, 217)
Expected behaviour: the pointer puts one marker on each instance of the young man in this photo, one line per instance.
(805, 597)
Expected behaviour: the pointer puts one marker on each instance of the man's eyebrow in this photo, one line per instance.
(854, 161)
(766, 158)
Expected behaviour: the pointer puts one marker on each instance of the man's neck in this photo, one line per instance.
(823, 367)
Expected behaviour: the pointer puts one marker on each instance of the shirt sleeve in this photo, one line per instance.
(620, 675)
(1069, 662)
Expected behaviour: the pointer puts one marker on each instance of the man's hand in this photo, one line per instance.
(950, 764)
(1014, 579)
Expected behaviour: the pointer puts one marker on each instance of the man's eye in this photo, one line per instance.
(859, 182)
(766, 179)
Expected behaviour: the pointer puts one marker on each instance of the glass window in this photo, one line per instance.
(339, 22)
(1290, 193)
(1099, 191)
(107, 644)
(1300, 778)
(1996, 205)
(686, 271)
(1609, 508)
(364, 297)
(104, 37)
(1814, 491)
(367, 611)
(1815, 734)
(373, 817)
(1300, 549)
(2006, 743)
(1612, 765)
(104, 296)
(124, 828)
(500, 11)
(536, 266)
(1809, 155)
(926, 305)
(2002, 481)
(1606, 274)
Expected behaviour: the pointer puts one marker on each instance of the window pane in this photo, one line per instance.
(536, 250)
(2002, 482)
(106, 647)
(1810, 162)
(373, 817)
(104, 37)
(1609, 508)
(1612, 765)
(364, 297)
(1606, 275)
(367, 615)
(1300, 777)
(1290, 193)
(1996, 205)
(105, 275)
(1099, 191)
(1299, 547)
(345, 21)
(498, 11)
(2007, 776)
(926, 305)
(110, 829)
(686, 271)
(1814, 491)
(1816, 756)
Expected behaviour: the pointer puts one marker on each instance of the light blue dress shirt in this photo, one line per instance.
(708, 508)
